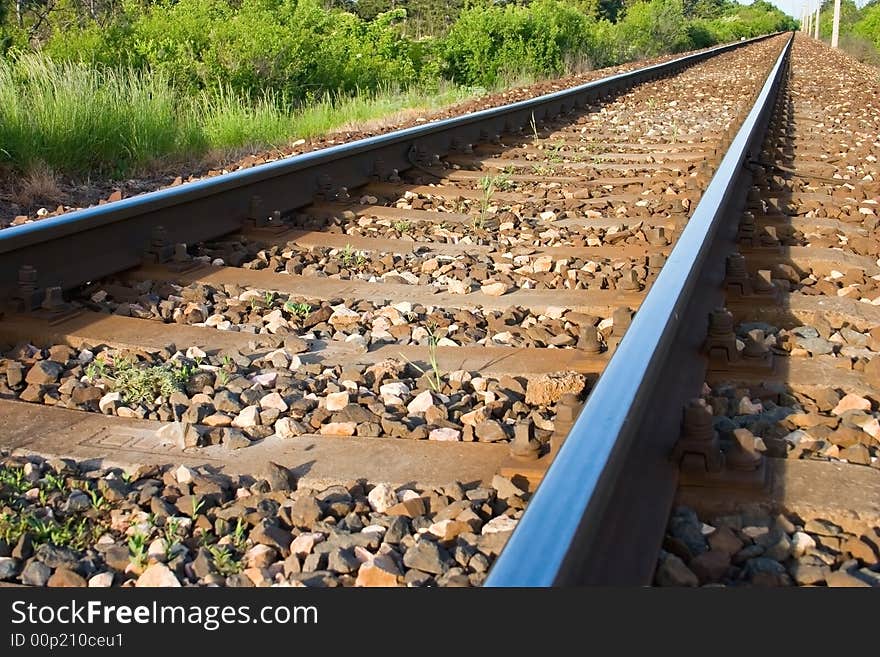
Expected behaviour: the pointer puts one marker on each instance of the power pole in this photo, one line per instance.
(816, 26)
(835, 27)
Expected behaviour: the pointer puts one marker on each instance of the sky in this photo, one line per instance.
(794, 7)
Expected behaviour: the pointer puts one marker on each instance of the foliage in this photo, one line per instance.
(140, 382)
(117, 86)
(488, 44)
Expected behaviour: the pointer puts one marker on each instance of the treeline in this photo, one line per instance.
(112, 86)
(298, 50)
(859, 28)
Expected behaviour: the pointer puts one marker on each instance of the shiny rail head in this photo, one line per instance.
(560, 527)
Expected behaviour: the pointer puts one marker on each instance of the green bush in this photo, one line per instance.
(651, 28)
(294, 50)
(489, 44)
(145, 80)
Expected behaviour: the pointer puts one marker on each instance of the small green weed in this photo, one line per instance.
(298, 309)
(352, 259)
(433, 373)
(141, 382)
(225, 561)
(137, 549)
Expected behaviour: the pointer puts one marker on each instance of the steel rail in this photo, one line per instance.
(598, 516)
(81, 246)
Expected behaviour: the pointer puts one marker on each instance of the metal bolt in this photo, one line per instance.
(523, 446)
(699, 437)
(588, 340)
(54, 298)
(621, 320)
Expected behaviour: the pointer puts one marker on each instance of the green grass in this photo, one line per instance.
(80, 120)
(75, 118)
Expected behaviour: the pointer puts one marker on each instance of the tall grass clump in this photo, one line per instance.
(78, 118)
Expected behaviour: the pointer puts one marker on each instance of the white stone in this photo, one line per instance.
(184, 475)
(265, 379)
(375, 529)
(801, 543)
(407, 494)
(157, 575)
(303, 544)
(382, 497)
(445, 434)
(276, 324)
(499, 524)
(156, 550)
(101, 581)
(393, 393)
(336, 401)
(278, 355)
(284, 428)
(257, 554)
(455, 286)
(421, 403)
(249, 417)
(273, 400)
(194, 353)
(474, 417)
(746, 407)
(555, 312)
(795, 437)
(172, 433)
(109, 402)
(494, 289)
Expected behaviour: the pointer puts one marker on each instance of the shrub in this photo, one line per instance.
(488, 44)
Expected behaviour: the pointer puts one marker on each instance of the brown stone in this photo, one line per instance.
(380, 571)
(861, 549)
(847, 436)
(62, 577)
(549, 388)
(409, 508)
(710, 566)
(725, 541)
(842, 579)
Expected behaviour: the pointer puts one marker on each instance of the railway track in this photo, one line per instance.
(394, 315)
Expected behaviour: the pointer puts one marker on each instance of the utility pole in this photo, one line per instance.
(816, 26)
(835, 27)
